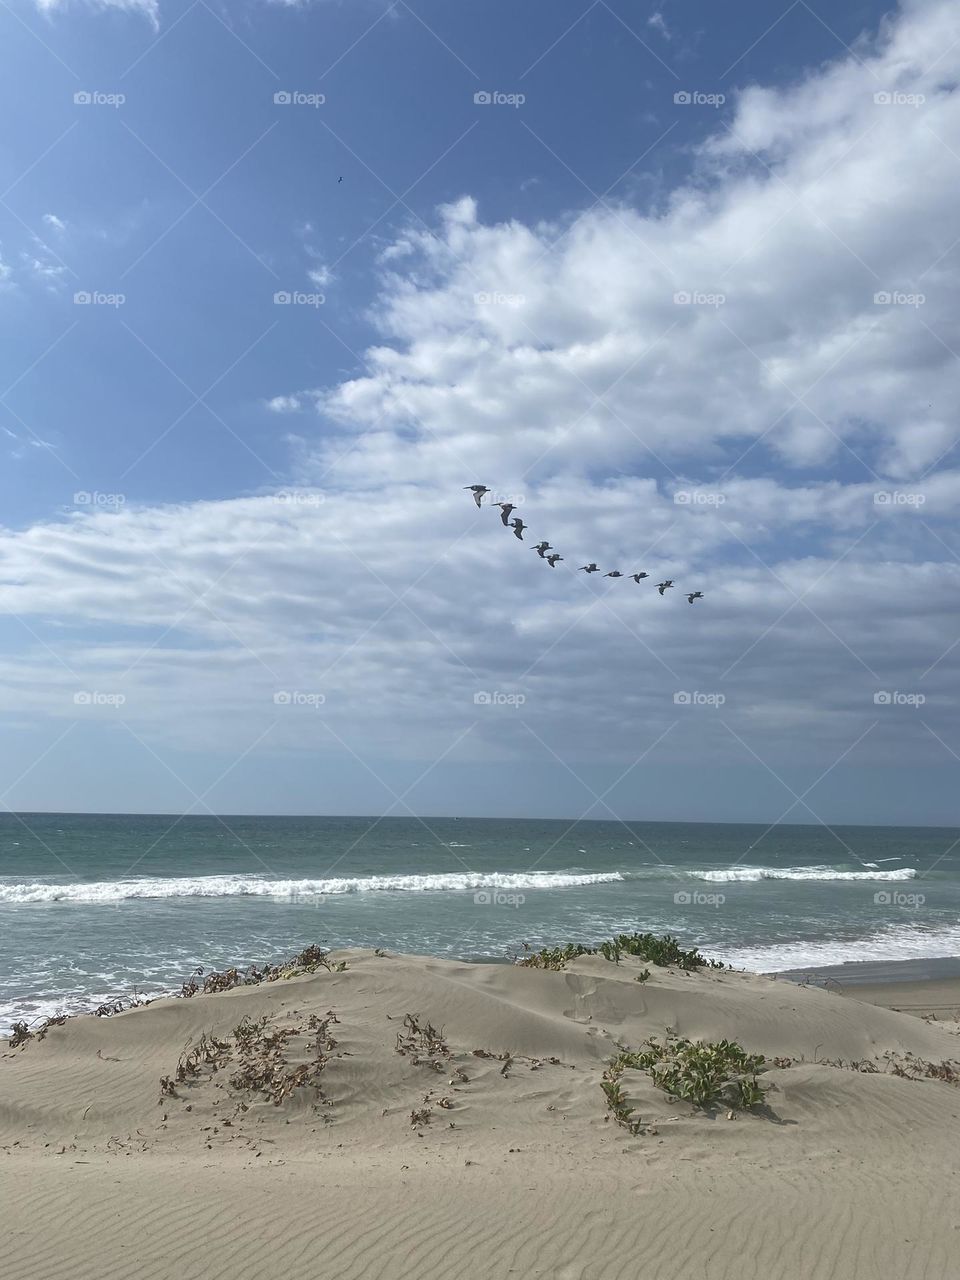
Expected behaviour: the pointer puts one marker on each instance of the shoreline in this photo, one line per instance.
(931, 984)
(923, 988)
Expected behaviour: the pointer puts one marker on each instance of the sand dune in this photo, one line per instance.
(512, 1166)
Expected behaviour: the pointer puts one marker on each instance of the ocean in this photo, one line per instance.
(94, 907)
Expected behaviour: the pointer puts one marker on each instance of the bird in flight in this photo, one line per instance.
(339, 179)
(509, 521)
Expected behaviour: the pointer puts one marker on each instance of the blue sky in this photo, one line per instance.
(199, 105)
(210, 498)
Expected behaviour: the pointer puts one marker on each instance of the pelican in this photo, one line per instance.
(478, 490)
(541, 547)
(694, 595)
(505, 509)
(518, 528)
(588, 568)
(614, 573)
(637, 576)
(662, 586)
(552, 560)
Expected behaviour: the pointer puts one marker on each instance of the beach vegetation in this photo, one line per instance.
(663, 951)
(309, 960)
(618, 1105)
(21, 1034)
(423, 1043)
(706, 1073)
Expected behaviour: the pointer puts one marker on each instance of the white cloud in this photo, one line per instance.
(509, 342)
(150, 9)
(56, 224)
(284, 404)
(43, 267)
(398, 605)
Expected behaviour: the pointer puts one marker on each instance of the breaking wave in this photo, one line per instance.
(746, 875)
(236, 886)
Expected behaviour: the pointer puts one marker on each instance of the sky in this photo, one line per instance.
(278, 279)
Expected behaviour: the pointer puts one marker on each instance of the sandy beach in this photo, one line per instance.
(404, 1116)
(937, 998)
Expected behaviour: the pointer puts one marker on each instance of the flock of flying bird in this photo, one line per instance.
(541, 548)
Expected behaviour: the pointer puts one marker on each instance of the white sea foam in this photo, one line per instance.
(904, 942)
(109, 891)
(747, 875)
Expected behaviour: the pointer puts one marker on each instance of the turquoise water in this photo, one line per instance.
(95, 906)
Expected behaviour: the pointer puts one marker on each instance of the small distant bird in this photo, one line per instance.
(662, 586)
(588, 568)
(552, 560)
(694, 595)
(637, 576)
(541, 547)
(518, 528)
(614, 573)
(505, 509)
(478, 490)
(339, 179)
